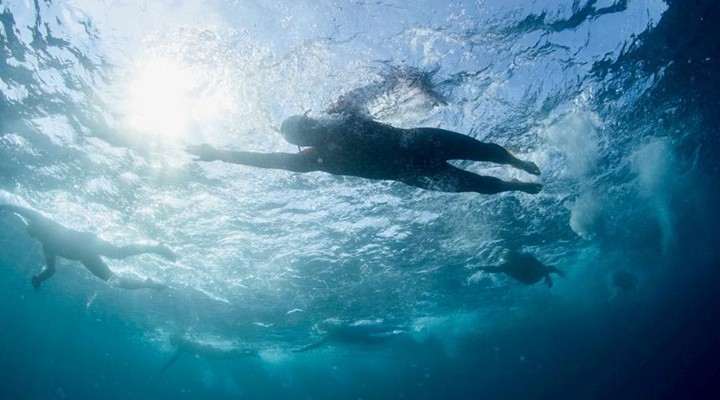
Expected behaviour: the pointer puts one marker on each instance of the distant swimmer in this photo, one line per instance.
(360, 332)
(86, 247)
(205, 349)
(525, 268)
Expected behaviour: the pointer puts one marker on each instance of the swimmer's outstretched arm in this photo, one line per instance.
(296, 162)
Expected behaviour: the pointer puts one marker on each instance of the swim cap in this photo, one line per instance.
(302, 131)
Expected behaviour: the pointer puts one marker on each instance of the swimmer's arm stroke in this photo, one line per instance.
(296, 162)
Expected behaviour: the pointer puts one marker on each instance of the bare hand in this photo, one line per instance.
(204, 152)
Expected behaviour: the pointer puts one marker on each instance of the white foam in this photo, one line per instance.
(575, 136)
(653, 163)
(12, 199)
(584, 214)
(17, 144)
(57, 129)
(15, 93)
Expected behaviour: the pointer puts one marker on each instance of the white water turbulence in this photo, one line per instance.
(653, 164)
(575, 138)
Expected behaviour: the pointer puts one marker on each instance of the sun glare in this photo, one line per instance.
(166, 98)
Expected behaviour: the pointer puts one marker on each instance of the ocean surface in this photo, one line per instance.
(617, 101)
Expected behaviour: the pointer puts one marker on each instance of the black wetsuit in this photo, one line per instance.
(358, 146)
(354, 145)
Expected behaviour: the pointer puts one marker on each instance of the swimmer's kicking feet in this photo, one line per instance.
(86, 247)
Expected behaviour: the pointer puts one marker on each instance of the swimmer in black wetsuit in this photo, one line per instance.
(355, 145)
(86, 247)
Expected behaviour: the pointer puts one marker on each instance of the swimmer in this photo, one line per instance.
(360, 332)
(86, 247)
(354, 145)
(347, 141)
(207, 350)
(525, 268)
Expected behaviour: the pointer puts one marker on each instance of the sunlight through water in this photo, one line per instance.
(166, 98)
(289, 283)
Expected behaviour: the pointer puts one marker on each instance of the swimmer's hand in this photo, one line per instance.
(203, 152)
(35, 282)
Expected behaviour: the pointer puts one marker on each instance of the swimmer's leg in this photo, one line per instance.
(47, 272)
(98, 268)
(453, 179)
(110, 250)
(451, 145)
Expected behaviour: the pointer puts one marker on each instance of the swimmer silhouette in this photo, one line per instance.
(357, 333)
(347, 141)
(525, 268)
(86, 247)
(207, 350)
(354, 145)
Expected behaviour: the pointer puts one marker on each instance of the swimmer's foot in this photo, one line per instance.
(165, 252)
(529, 167)
(527, 187)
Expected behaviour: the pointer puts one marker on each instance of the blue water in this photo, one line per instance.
(617, 102)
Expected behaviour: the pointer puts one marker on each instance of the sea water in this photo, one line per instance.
(616, 101)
